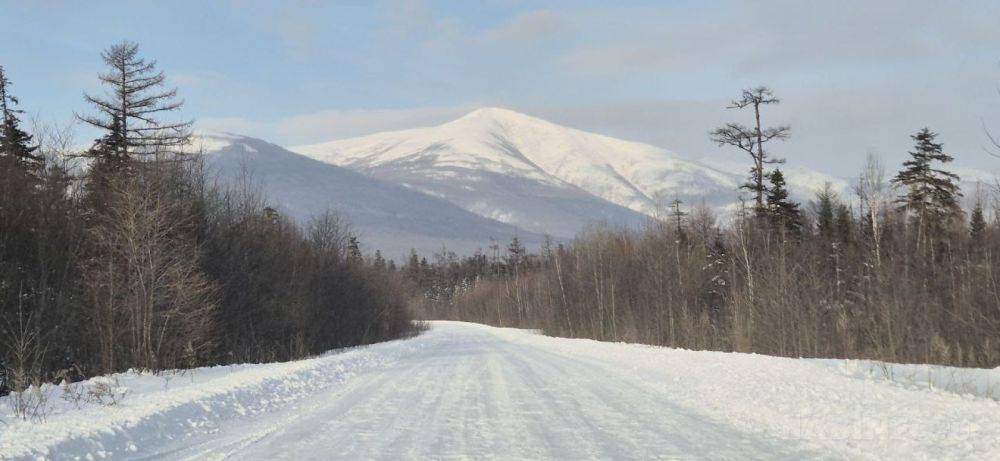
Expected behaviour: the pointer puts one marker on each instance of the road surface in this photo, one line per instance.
(465, 391)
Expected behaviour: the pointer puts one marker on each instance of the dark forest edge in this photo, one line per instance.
(139, 262)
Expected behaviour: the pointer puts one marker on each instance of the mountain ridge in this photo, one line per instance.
(386, 216)
(633, 175)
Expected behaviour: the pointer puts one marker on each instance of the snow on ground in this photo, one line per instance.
(470, 391)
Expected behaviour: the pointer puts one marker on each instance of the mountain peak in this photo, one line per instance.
(515, 168)
(500, 115)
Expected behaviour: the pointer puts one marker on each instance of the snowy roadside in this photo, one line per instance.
(415, 393)
(855, 408)
(157, 408)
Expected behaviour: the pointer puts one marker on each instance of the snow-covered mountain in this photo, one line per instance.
(493, 173)
(386, 216)
(495, 163)
(539, 175)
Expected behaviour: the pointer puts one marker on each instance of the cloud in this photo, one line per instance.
(780, 35)
(531, 28)
(854, 76)
(416, 22)
(833, 129)
(296, 28)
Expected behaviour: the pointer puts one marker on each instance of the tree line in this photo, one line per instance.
(898, 273)
(124, 256)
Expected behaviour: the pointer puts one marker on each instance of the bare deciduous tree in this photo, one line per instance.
(131, 108)
(155, 307)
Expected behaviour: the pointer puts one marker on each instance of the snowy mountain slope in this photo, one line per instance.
(481, 163)
(488, 143)
(387, 216)
(467, 391)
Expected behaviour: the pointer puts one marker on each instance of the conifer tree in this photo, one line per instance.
(977, 222)
(931, 193)
(15, 144)
(515, 253)
(353, 250)
(413, 264)
(752, 139)
(108, 152)
(783, 212)
(844, 223)
(824, 207)
(129, 112)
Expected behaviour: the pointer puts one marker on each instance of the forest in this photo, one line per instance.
(897, 272)
(125, 256)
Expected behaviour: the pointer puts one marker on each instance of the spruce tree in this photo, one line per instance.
(15, 144)
(931, 193)
(844, 223)
(824, 207)
(353, 250)
(977, 223)
(783, 212)
(108, 153)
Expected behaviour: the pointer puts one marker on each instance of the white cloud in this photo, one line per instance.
(531, 28)
(855, 76)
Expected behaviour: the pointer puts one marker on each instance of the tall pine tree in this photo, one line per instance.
(932, 194)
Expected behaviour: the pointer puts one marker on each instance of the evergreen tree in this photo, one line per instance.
(931, 193)
(107, 163)
(412, 269)
(108, 153)
(353, 250)
(783, 212)
(425, 270)
(515, 253)
(15, 144)
(977, 222)
(824, 207)
(844, 223)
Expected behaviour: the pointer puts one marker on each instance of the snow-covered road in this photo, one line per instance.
(469, 391)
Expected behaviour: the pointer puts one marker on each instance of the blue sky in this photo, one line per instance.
(855, 77)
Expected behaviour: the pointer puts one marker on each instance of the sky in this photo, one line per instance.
(854, 77)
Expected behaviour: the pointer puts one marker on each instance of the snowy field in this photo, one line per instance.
(470, 391)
